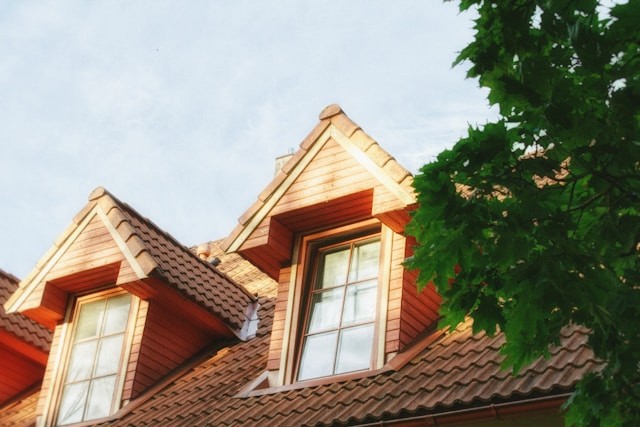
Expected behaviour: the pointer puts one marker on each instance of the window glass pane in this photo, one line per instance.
(354, 353)
(72, 403)
(317, 356)
(334, 269)
(90, 320)
(364, 261)
(109, 355)
(117, 314)
(325, 310)
(81, 361)
(360, 303)
(100, 397)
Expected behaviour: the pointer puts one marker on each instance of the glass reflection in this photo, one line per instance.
(364, 261)
(317, 357)
(100, 397)
(334, 269)
(354, 353)
(360, 303)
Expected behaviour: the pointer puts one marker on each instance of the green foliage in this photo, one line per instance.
(540, 211)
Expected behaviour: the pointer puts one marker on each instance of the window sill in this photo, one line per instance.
(395, 364)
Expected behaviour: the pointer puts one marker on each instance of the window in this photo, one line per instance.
(91, 382)
(342, 304)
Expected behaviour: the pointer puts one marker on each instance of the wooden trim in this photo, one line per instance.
(372, 167)
(279, 191)
(386, 246)
(23, 292)
(133, 262)
(127, 342)
(61, 355)
(292, 313)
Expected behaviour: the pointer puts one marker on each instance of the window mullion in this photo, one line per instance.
(339, 329)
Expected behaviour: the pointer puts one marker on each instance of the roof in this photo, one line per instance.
(151, 252)
(461, 370)
(233, 265)
(20, 326)
(456, 370)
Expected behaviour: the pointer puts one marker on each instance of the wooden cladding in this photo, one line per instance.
(160, 344)
(18, 371)
(279, 318)
(409, 312)
(332, 189)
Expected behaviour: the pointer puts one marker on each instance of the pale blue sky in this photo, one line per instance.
(179, 108)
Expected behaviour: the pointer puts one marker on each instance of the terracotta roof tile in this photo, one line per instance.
(177, 265)
(460, 370)
(17, 324)
(241, 270)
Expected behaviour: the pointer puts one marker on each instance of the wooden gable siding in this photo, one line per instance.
(333, 189)
(161, 343)
(47, 390)
(279, 318)
(129, 391)
(392, 339)
(331, 174)
(91, 261)
(94, 247)
(277, 233)
(18, 372)
(408, 312)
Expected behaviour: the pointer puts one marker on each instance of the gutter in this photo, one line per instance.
(482, 413)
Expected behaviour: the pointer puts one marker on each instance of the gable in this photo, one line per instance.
(339, 175)
(109, 244)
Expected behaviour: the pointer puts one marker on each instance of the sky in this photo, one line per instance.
(180, 108)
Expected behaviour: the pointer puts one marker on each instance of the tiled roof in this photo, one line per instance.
(242, 271)
(459, 371)
(22, 327)
(196, 279)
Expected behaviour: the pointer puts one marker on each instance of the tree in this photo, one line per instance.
(532, 222)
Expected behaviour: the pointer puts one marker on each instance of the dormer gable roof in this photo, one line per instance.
(109, 242)
(344, 175)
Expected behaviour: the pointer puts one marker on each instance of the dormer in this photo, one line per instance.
(128, 304)
(330, 229)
